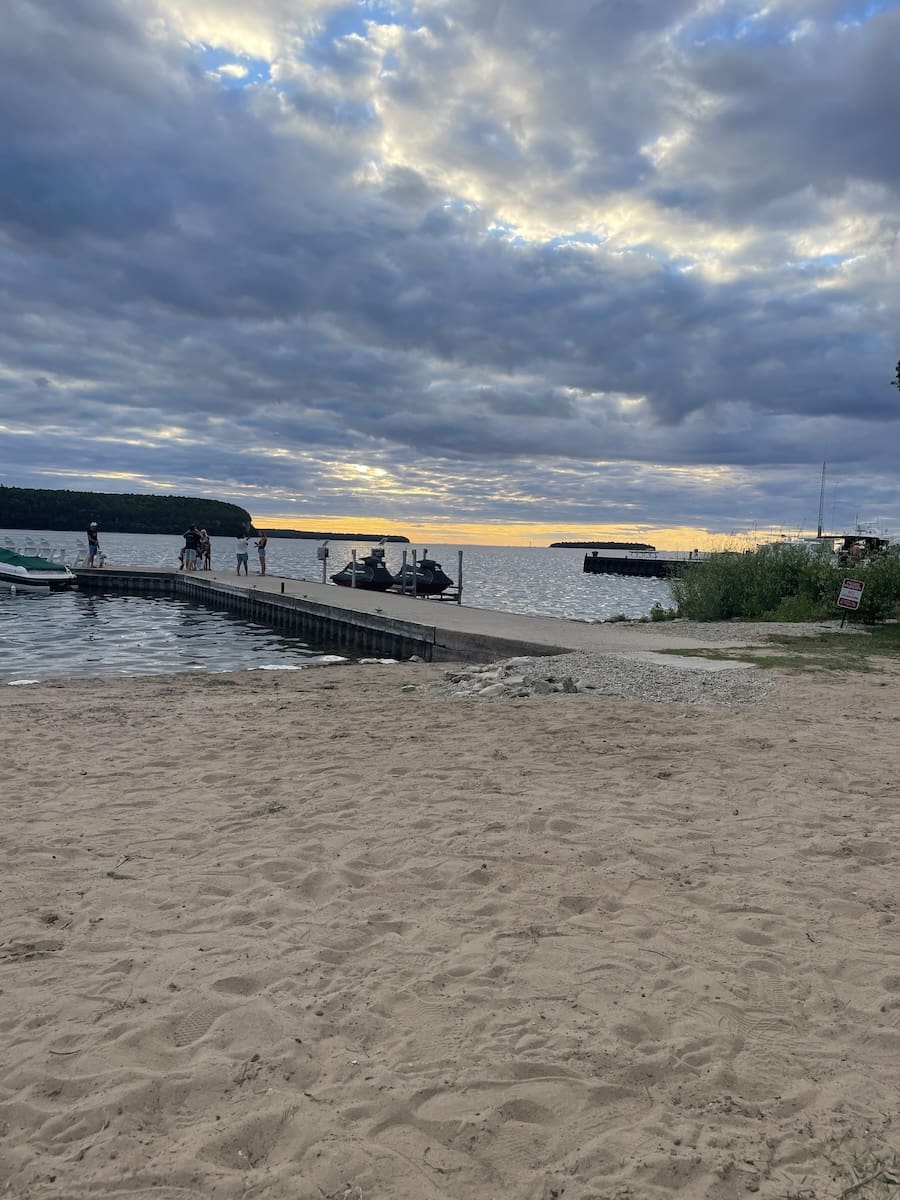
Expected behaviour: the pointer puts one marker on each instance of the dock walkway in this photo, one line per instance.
(382, 622)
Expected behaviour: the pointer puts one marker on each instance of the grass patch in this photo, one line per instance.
(856, 1174)
(870, 1175)
(821, 651)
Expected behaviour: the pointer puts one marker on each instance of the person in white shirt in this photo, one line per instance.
(243, 553)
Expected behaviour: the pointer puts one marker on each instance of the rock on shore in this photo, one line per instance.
(609, 675)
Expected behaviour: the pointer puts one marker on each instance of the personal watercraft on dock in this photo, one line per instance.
(369, 573)
(425, 578)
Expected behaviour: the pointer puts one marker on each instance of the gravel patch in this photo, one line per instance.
(638, 675)
(628, 677)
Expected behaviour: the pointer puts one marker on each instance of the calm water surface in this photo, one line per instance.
(68, 634)
(77, 634)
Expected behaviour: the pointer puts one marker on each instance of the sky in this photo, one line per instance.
(477, 271)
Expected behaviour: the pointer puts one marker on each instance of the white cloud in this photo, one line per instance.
(263, 30)
(521, 242)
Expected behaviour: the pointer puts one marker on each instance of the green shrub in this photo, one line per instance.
(783, 583)
(658, 613)
(797, 608)
(881, 595)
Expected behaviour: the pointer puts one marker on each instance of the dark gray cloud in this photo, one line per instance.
(602, 262)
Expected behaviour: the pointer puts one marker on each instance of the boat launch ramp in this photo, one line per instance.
(377, 623)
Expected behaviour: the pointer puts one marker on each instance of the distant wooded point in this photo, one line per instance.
(335, 537)
(40, 508)
(601, 546)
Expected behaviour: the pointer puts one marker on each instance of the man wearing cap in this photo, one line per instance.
(93, 541)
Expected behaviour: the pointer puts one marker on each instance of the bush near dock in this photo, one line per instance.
(784, 583)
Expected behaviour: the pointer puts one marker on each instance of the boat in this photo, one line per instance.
(859, 548)
(863, 545)
(424, 577)
(649, 563)
(30, 571)
(369, 573)
(840, 549)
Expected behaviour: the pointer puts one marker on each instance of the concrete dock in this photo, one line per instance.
(379, 623)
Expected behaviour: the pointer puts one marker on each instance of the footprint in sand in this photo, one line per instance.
(193, 1025)
(237, 985)
(577, 905)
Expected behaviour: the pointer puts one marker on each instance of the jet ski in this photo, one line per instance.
(428, 578)
(369, 573)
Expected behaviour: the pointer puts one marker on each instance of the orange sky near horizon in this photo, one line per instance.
(455, 534)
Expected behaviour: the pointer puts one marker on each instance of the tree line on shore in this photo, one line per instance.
(601, 546)
(114, 512)
(335, 537)
(63, 510)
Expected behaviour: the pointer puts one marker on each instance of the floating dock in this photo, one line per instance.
(345, 619)
(381, 624)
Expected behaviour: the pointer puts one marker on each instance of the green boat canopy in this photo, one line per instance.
(28, 561)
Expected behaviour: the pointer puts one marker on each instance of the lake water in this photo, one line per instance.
(68, 634)
(71, 633)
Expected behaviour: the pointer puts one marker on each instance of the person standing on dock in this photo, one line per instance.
(191, 546)
(243, 552)
(93, 543)
(261, 551)
(205, 551)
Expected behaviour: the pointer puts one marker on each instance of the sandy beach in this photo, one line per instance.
(304, 935)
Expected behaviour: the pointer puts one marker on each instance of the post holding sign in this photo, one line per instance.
(851, 594)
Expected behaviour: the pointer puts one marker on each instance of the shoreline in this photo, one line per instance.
(591, 641)
(281, 934)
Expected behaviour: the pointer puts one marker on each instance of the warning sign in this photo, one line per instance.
(851, 593)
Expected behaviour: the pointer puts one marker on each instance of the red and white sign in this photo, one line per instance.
(851, 593)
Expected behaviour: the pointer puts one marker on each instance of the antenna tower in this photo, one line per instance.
(821, 502)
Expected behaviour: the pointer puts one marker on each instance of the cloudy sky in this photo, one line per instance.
(474, 270)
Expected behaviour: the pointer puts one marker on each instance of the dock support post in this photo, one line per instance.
(403, 575)
(459, 580)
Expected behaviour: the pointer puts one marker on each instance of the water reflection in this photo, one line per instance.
(66, 634)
